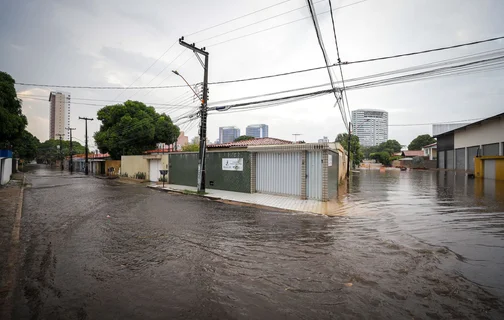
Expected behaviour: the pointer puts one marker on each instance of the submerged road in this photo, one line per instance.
(402, 246)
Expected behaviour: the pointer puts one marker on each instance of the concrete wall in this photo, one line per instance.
(133, 164)
(216, 178)
(183, 168)
(116, 164)
(491, 131)
(333, 176)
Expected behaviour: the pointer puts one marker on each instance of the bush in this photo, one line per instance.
(140, 175)
(124, 175)
(163, 179)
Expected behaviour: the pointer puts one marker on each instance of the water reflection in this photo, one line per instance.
(443, 209)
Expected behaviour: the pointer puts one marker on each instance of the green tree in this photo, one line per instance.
(132, 128)
(193, 146)
(12, 121)
(49, 151)
(26, 146)
(382, 157)
(356, 154)
(420, 141)
(391, 146)
(243, 138)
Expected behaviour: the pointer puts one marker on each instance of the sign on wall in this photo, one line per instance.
(232, 164)
(329, 160)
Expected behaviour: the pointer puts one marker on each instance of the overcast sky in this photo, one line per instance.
(106, 43)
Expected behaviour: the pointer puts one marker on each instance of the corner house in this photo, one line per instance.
(458, 148)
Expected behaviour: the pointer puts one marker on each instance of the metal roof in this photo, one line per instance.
(470, 124)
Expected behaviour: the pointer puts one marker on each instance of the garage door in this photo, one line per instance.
(472, 152)
(441, 159)
(449, 159)
(154, 167)
(489, 169)
(491, 149)
(278, 173)
(460, 158)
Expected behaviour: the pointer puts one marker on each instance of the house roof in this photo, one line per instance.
(470, 124)
(413, 153)
(252, 142)
(430, 145)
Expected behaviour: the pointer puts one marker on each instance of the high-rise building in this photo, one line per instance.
(257, 130)
(228, 134)
(371, 126)
(59, 115)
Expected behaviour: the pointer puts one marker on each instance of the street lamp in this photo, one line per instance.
(178, 74)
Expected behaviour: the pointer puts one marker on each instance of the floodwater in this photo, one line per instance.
(421, 245)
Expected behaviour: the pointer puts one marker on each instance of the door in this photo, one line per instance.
(314, 175)
(278, 173)
(441, 159)
(472, 152)
(489, 169)
(154, 167)
(460, 158)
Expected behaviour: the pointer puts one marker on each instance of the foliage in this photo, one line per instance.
(163, 179)
(420, 141)
(12, 121)
(193, 146)
(26, 146)
(390, 146)
(132, 128)
(124, 175)
(243, 138)
(140, 175)
(356, 155)
(382, 157)
(48, 151)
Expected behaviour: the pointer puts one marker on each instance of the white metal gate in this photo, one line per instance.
(154, 167)
(278, 173)
(314, 175)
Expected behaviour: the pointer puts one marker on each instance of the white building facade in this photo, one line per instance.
(371, 126)
(59, 115)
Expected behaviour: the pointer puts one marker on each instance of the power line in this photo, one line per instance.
(326, 59)
(240, 17)
(281, 25)
(424, 51)
(432, 123)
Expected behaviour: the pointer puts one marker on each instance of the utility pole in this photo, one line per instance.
(349, 149)
(203, 112)
(60, 135)
(70, 165)
(86, 168)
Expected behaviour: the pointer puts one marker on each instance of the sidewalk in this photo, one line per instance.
(267, 200)
(10, 201)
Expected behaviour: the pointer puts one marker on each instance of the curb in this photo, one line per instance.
(227, 201)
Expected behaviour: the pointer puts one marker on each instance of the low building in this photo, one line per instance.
(268, 165)
(457, 148)
(430, 151)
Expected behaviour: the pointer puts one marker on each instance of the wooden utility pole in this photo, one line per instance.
(86, 168)
(203, 112)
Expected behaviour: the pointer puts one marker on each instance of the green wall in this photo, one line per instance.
(183, 168)
(238, 181)
(184, 171)
(333, 174)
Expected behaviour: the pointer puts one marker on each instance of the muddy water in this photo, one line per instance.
(419, 245)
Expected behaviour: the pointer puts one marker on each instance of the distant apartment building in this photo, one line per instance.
(257, 130)
(228, 134)
(323, 140)
(370, 125)
(59, 115)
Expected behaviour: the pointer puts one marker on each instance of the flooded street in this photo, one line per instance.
(421, 245)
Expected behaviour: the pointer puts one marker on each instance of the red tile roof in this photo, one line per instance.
(413, 153)
(252, 142)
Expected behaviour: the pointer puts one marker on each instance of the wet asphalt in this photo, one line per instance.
(102, 249)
